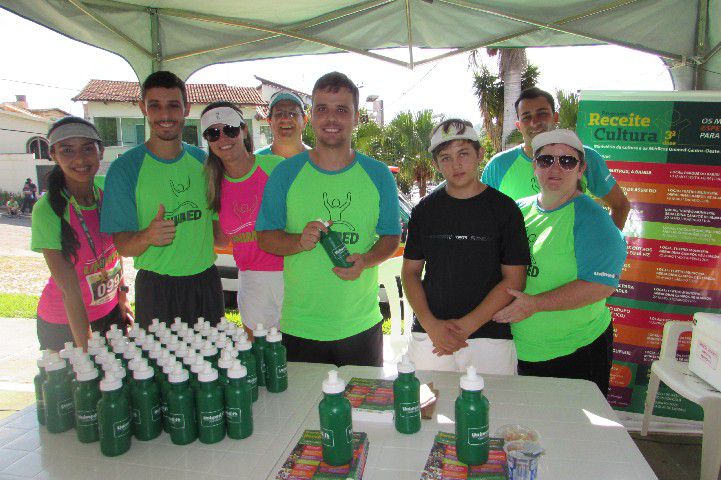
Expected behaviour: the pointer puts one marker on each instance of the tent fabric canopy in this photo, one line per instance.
(187, 35)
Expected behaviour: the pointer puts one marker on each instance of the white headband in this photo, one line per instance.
(224, 115)
(441, 137)
(70, 130)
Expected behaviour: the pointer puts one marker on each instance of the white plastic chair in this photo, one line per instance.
(395, 344)
(676, 375)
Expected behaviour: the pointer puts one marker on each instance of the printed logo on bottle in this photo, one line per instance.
(86, 417)
(282, 371)
(349, 433)
(410, 409)
(121, 428)
(211, 418)
(327, 437)
(478, 435)
(233, 415)
(252, 380)
(176, 420)
(66, 407)
(155, 413)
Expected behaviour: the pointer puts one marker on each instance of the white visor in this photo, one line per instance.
(452, 134)
(224, 115)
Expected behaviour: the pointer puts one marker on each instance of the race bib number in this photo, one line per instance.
(102, 286)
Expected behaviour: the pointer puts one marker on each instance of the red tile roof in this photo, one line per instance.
(116, 91)
(10, 107)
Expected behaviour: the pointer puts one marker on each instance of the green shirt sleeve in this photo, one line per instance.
(45, 227)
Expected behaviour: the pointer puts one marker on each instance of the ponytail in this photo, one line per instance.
(56, 187)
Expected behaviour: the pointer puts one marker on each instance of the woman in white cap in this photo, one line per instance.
(236, 182)
(85, 290)
(560, 323)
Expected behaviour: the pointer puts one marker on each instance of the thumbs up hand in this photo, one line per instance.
(160, 232)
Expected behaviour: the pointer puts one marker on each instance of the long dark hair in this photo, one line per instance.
(214, 166)
(56, 197)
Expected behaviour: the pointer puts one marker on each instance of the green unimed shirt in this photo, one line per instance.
(135, 186)
(511, 172)
(577, 241)
(362, 202)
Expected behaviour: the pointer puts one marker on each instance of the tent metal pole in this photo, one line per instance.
(700, 44)
(251, 26)
(409, 27)
(711, 53)
(155, 40)
(80, 6)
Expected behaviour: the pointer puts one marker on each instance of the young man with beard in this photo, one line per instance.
(471, 242)
(156, 208)
(511, 171)
(330, 314)
(287, 119)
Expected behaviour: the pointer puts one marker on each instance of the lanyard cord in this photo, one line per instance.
(81, 220)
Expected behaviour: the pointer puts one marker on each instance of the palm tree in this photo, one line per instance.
(512, 62)
(567, 109)
(406, 139)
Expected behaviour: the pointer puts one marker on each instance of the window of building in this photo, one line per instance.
(108, 128)
(266, 136)
(190, 134)
(132, 131)
(39, 147)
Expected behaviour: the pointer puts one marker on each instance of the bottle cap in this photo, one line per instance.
(333, 384)
(259, 331)
(94, 351)
(208, 373)
(178, 374)
(95, 335)
(231, 329)
(237, 370)
(153, 327)
(119, 347)
(113, 332)
(148, 343)
(405, 365)
(198, 365)
(243, 345)
(182, 351)
(198, 340)
(199, 324)
(170, 365)
(87, 374)
(119, 373)
(110, 383)
(222, 324)
(143, 372)
(67, 352)
(190, 358)
(52, 366)
(82, 364)
(220, 344)
(44, 359)
(155, 351)
(324, 222)
(274, 335)
(240, 335)
(226, 359)
(207, 349)
(136, 362)
(175, 326)
(134, 330)
(471, 381)
(77, 355)
(130, 353)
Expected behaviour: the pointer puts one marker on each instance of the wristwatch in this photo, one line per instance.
(124, 288)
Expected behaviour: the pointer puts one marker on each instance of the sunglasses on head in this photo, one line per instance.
(212, 134)
(566, 162)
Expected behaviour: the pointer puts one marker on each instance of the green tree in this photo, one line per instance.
(406, 142)
(567, 109)
(308, 135)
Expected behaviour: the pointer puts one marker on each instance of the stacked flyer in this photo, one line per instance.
(443, 464)
(306, 460)
(371, 399)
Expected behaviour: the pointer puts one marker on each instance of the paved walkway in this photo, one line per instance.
(19, 351)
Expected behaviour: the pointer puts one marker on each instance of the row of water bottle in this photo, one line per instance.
(194, 383)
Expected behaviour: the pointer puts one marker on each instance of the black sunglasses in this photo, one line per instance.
(566, 162)
(212, 134)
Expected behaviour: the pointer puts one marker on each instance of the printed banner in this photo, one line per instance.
(664, 149)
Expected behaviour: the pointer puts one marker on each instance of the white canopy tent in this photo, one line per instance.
(186, 35)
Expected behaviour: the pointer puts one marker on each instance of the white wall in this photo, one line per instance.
(15, 168)
(16, 141)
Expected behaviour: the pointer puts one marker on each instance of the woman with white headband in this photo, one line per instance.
(85, 290)
(236, 182)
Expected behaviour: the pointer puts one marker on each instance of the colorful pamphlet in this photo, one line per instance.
(443, 464)
(371, 399)
(306, 460)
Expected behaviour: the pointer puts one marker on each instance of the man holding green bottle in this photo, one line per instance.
(330, 314)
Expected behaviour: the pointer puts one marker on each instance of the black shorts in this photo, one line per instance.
(54, 335)
(165, 297)
(364, 349)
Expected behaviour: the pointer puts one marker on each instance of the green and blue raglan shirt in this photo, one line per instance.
(511, 172)
(362, 202)
(577, 241)
(137, 183)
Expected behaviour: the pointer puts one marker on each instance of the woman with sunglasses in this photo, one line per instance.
(236, 181)
(85, 290)
(560, 323)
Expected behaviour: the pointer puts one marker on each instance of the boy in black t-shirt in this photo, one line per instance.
(472, 242)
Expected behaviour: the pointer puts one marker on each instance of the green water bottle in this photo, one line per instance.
(121, 374)
(336, 425)
(38, 382)
(334, 246)
(86, 396)
(181, 407)
(472, 420)
(210, 406)
(238, 402)
(58, 398)
(259, 345)
(276, 367)
(407, 398)
(164, 384)
(145, 396)
(247, 359)
(114, 417)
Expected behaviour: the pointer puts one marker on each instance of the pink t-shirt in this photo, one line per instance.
(239, 205)
(98, 289)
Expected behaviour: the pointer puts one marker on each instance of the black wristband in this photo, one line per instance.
(124, 288)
